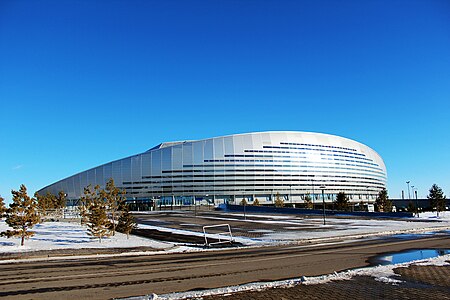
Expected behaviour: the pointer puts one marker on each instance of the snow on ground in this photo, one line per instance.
(380, 273)
(429, 215)
(65, 235)
(302, 229)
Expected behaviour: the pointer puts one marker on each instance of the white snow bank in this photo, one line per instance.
(65, 235)
(432, 215)
(380, 273)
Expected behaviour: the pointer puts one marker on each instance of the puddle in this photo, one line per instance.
(410, 255)
(411, 236)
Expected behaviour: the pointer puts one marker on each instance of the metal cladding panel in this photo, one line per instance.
(198, 153)
(83, 180)
(166, 159)
(238, 143)
(99, 176)
(257, 141)
(117, 172)
(187, 154)
(107, 172)
(208, 150)
(91, 176)
(177, 157)
(228, 145)
(146, 160)
(156, 163)
(218, 148)
(126, 169)
(136, 168)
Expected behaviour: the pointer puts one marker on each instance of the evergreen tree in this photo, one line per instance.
(256, 202)
(279, 201)
(98, 223)
(341, 201)
(113, 197)
(437, 198)
(126, 222)
(86, 201)
(22, 215)
(2, 207)
(45, 204)
(308, 201)
(60, 203)
(382, 202)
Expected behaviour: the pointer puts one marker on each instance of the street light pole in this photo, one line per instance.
(323, 202)
(195, 207)
(409, 195)
(417, 204)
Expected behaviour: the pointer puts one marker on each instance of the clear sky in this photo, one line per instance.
(86, 82)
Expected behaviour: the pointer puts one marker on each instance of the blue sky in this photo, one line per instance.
(83, 82)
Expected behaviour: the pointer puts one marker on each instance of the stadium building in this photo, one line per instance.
(258, 165)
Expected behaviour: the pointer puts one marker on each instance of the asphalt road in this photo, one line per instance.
(105, 278)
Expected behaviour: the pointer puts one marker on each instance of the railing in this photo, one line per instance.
(223, 237)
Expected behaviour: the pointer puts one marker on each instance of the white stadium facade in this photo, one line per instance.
(227, 169)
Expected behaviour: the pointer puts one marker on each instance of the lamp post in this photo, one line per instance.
(323, 202)
(417, 204)
(244, 202)
(312, 181)
(409, 195)
(195, 207)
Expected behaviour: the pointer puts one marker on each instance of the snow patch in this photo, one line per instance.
(65, 235)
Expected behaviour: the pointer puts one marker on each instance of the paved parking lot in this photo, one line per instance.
(419, 282)
(269, 228)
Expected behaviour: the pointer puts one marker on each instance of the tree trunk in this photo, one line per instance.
(114, 223)
(23, 238)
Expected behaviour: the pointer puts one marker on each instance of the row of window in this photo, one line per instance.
(295, 156)
(290, 161)
(239, 190)
(293, 166)
(267, 175)
(312, 149)
(317, 145)
(252, 179)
